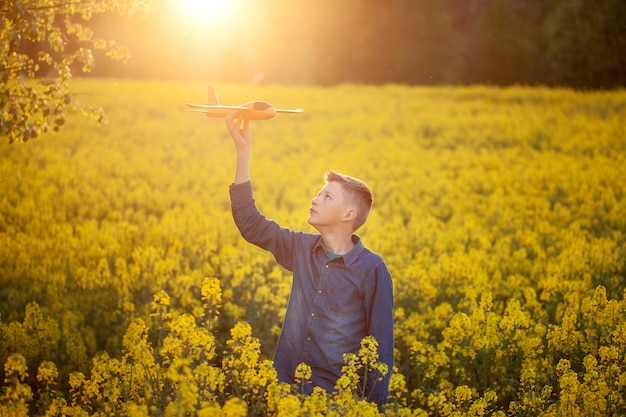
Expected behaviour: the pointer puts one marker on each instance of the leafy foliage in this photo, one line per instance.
(126, 289)
(599, 27)
(42, 44)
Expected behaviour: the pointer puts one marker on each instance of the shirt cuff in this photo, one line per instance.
(241, 194)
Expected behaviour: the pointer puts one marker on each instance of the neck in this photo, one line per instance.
(339, 244)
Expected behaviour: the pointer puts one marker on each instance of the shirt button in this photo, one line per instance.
(326, 266)
(319, 291)
(308, 338)
(312, 314)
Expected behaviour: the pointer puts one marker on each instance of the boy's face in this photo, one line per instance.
(328, 208)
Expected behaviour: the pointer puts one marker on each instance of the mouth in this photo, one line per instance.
(311, 211)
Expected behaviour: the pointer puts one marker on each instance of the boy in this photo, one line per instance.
(341, 291)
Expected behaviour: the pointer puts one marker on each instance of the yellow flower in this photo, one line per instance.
(235, 407)
(47, 373)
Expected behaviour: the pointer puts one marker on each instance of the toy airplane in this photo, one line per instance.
(252, 110)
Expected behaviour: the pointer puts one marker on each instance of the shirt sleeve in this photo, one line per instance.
(380, 326)
(257, 229)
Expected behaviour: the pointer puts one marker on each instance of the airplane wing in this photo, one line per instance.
(253, 110)
(216, 110)
(209, 107)
(288, 110)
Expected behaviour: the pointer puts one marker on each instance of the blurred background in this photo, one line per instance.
(575, 43)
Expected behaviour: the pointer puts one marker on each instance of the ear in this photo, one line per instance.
(349, 215)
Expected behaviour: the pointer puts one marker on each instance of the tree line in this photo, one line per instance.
(575, 43)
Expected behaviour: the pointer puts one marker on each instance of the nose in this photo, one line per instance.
(314, 201)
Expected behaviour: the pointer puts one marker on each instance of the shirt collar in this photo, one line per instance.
(349, 257)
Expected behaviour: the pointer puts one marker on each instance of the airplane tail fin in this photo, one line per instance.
(213, 100)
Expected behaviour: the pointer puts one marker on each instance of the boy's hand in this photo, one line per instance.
(241, 138)
(239, 129)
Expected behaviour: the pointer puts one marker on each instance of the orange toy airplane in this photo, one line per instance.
(252, 110)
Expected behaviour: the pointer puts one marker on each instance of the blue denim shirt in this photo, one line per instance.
(334, 303)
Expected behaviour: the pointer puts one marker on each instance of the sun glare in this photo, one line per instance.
(208, 10)
(203, 6)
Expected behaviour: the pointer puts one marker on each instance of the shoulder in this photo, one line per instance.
(369, 261)
(369, 254)
(310, 240)
(376, 276)
(365, 255)
(303, 242)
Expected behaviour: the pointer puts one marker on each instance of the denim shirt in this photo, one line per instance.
(333, 305)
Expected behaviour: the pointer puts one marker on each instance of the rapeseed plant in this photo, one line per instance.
(500, 214)
(16, 393)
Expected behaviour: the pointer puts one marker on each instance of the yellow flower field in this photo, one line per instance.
(126, 290)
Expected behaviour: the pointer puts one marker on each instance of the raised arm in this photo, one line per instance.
(239, 129)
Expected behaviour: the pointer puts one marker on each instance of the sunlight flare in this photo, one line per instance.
(208, 11)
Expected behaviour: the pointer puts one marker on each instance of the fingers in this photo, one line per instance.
(235, 122)
(239, 129)
(230, 122)
(232, 126)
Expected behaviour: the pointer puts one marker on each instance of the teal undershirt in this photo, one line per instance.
(333, 255)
